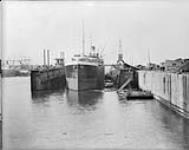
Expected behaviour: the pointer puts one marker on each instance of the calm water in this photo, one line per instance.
(95, 119)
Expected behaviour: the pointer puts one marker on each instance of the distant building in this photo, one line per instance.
(153, 66)
(60, 61)
(176, 65)
(184, 68)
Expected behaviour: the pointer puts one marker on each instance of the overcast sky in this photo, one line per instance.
(161, 27)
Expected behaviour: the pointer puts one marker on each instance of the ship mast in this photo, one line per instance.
(83, 39)
(91, 41)
(149, 56)
(120, 53)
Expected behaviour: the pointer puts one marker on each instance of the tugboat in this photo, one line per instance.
(85, 72)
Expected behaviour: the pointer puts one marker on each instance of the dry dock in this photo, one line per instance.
(172, 89)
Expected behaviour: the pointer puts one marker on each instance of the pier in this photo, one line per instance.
(169, 88)
(172, 89)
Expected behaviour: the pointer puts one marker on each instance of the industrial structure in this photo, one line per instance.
(177, 65)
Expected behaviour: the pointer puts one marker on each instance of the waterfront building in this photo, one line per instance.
(176, 65)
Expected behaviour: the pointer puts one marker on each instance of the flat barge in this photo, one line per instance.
(48, 79)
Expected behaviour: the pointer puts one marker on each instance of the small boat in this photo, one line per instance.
(132, 94)
(108, 84)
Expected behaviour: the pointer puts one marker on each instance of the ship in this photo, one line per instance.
(85, 72)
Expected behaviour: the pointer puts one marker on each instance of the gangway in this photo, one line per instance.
(125, 84)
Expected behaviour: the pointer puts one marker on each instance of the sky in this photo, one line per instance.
(160, 27)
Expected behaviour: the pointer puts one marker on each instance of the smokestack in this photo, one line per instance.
(62, 55)
(48, 57)
(44, 57)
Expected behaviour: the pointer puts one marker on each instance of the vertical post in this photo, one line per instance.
(149, 56)
(44, 57)
(91, 41)
(83, 39)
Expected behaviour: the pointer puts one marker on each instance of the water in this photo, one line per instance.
(97, 119)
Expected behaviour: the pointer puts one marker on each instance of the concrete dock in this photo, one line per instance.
(172, 89)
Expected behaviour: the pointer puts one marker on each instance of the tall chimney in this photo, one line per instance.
(44, 57)
(62, 55)
(48, 57)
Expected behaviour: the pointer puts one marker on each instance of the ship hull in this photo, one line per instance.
(84, 77)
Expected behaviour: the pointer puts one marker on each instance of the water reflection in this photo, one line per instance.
(176, 124)
(43, 96)
(90, 120)
(85, 99)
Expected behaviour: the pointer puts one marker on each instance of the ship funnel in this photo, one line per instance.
(48, 57)
(44, 57)
(62, 55)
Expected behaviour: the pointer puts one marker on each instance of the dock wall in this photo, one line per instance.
(170, 88)
(51, 79)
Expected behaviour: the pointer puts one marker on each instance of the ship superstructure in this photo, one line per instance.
(85, 72)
